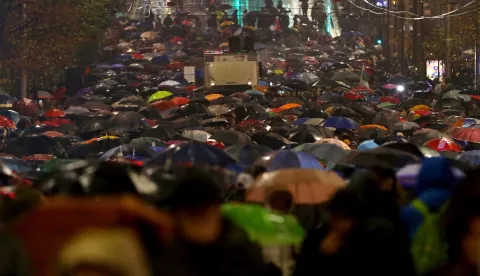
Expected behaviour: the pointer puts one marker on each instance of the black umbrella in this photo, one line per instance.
(224, 7)
(385, 118)
(270, 139)
(297, 84)
(162, 133)
(231, 137)
(380, 156)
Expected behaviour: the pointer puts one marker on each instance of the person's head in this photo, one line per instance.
(344, 209)
(15, 203)
(281, 201)
(463, 231)
(195, 204)
(103, 252)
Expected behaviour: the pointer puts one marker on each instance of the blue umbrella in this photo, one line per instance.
(116, 151)
(368, 144)
(263, 83)
(254, 93)
(6, 101)
(158, 148)
(193, 153)
(124, 57)
(470, 157)
(10, 114)
(161, 60)
(283, 159)
(300, 121)
(341, 122)
(16, 164)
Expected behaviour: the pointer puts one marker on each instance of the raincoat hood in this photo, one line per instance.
(436, 173)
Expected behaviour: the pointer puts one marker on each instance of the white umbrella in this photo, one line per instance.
(197, 135)
(170, 83)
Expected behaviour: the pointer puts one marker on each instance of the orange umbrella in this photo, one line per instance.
(212, 97)
(180, 100)
(52, 134)
(307, 186)
(373, 126)
(289, 106)
(38, 157)
(164, 105)
(263, 89)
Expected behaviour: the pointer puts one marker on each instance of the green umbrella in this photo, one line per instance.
(54, 164)
(159, 95)
(264, 226)
(386, 105)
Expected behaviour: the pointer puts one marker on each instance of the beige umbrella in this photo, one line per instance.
(307, 186)
(149, 34)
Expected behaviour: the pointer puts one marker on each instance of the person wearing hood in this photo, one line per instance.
(207, 243)
(282, 256)
(435, 184)
(361, 236)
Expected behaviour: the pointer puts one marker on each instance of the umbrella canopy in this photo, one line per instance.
(247, 154)
(192, 153)
(324, 152)
(341, 122)
(159, 95)
(264, 226)
(380, 156)
(283, 159)
(306, 186)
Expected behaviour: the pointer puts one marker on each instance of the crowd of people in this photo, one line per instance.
(332, 165)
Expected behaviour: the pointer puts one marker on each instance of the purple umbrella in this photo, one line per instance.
(117, 66)
(84, 91)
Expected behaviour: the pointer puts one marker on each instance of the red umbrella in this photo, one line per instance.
(137, 56)
(216, 144)
(443, 144)
(164, 105)
(55, 113)
(26, 107)
(176, 39)
(5, 122)
(180, 100)
(190, 88)
(466, 134)
(176, 65)
(56, 122)
(187, 23)
(352, 96)
(390, 99)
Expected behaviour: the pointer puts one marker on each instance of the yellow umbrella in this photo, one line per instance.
(330, 110)
(150, 34)
(219, 14)
(251, 28)
(279, 72)
(212, 97)
(226, 23)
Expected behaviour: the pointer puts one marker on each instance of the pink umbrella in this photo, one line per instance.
(389, 86)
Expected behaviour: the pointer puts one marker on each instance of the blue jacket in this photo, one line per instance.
(435, 185)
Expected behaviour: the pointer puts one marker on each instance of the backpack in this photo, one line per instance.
(429, 248)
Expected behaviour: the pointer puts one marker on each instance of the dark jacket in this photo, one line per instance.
(233, 255)
(378, 244)
(369, 250)
(13, 261)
